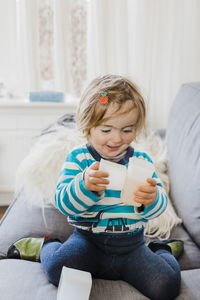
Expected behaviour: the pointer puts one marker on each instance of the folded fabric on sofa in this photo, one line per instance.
(46, 96)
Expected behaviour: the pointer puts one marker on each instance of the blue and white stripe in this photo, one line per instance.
(90, 211)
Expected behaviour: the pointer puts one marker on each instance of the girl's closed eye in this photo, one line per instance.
(128, 130)
(105, 130)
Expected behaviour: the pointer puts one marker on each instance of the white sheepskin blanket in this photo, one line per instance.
(39, 171)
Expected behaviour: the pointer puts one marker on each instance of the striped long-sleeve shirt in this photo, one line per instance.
(106, 212)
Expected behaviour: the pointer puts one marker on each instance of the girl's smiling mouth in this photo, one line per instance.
(113, 148)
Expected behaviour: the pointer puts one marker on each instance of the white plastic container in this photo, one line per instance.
(117, 174)
(138, 172)
(74, 285)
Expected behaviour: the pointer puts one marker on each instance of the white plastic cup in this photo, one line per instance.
(138, 171)
(117, 174)
(74, 284)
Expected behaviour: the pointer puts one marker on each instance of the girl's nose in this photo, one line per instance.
(116, 138)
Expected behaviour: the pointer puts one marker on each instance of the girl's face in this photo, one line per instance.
(113, 136)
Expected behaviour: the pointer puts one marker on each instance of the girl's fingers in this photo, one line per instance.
(152, 181)
(94, 170)
(145, 196)
(146, 202)
(96, 180)
(97, 188)
(95, 165)
(98, 174)
(147, 193)
(147, 188)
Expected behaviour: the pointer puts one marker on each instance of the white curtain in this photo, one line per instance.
(63, 44)
(10, 77)
(20, 35)
(70, 45)
(27, 50)
(56, 44)
(156, 43)
(44, 42)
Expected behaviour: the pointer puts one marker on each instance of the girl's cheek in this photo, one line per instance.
(101, 139)
(130, 138)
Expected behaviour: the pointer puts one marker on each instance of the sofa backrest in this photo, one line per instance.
(183, 143)
(25, 220)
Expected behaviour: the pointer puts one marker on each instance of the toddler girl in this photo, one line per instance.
(108, 239)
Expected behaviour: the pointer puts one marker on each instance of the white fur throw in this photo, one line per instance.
(39, 171)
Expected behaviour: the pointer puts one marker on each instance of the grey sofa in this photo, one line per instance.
(25, 280)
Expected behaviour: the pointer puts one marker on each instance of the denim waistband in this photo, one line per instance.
(119, 243)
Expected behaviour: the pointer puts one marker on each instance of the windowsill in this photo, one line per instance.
(25, 103)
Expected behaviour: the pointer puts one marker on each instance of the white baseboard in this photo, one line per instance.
(6, 198)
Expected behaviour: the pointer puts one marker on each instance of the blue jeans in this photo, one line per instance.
(116, 257)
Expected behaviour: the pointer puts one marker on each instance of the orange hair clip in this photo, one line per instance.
(104, 98)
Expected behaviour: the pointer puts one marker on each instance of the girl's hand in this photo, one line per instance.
(94, 179)
(147, 193)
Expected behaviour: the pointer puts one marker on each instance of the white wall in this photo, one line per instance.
(20, 124)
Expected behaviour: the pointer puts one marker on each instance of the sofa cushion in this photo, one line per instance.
(183, 136)
(22, 280)
(23, 219)
(191, 255)
(190, 285)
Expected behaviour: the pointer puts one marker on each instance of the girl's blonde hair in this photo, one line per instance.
(90, 112)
